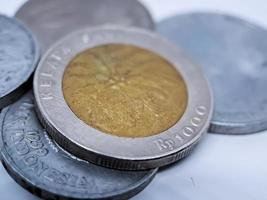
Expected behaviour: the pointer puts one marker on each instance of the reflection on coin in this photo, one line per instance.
(125, 77)
(38, 164)
(232, 53)
(52, 19)
(18, 58)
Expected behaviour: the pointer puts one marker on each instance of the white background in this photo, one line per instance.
(221, 167)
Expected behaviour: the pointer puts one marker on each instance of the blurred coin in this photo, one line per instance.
(232, 53)
(52, 19)
(18, 58)
(122, 98)
(39, 165)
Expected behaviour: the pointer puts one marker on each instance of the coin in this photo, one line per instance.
(18, 58)
(52, 19)
(109, 150)
(232, 54)
(119, 87)
(38, 164)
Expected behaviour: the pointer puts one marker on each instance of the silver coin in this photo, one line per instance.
(19, 56)
(232, 53)
(108, 150)
(39, 165)
(52, 19)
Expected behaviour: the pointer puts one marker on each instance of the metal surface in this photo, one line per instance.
(52, 19)
(18, 58)
(115, 88)
(232, 53)
(223, 166)
(112, 151)
(39, 165)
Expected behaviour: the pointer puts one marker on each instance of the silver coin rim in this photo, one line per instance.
(143, 152)
(15, 172)
(152, 25)
(17, 91)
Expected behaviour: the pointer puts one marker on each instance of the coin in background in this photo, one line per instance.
(52, 19)
(122, 98)
(19, 56)
(232, 53)
(39, 165)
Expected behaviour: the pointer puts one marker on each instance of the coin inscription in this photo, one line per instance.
(124, 90)
(187, 132)
(37, 163)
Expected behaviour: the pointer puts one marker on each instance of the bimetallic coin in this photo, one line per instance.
(130, 70)
(52, 19)
(39, 165)
(19, 56)
(232, 53)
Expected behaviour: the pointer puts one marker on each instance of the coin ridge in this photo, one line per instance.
(114, 163)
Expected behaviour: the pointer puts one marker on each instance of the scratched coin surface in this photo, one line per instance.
(18, 58)
(40, 166)
(69, 59)
(232, 53)
(52, 19)
(115, 88)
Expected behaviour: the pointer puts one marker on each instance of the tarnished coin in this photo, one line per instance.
(52, 19)
(39, 165)
(18, 58)
(122, 98)
(232, 53)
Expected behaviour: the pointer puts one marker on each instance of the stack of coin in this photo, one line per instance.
(112, 101)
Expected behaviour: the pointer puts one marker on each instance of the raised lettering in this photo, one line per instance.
(47, 96)
(167, 144)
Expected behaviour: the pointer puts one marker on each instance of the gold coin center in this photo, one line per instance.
(124, 90)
